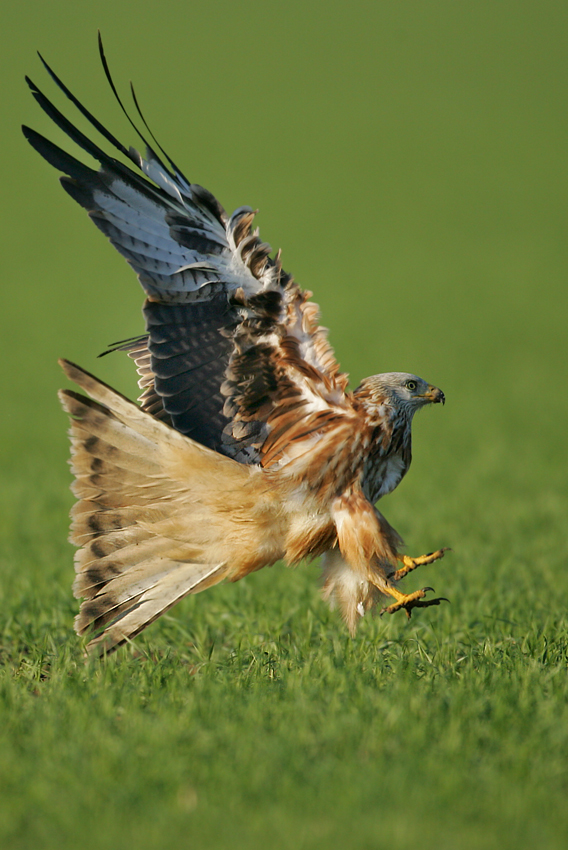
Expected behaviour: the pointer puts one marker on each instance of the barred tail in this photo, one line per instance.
(151, 518)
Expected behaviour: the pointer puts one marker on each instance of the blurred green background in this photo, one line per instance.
(410, 159)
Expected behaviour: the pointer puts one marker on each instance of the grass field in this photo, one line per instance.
(411, 160)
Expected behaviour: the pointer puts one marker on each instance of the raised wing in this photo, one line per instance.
(234, 356)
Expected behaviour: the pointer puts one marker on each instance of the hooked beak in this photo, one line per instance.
(434, 395)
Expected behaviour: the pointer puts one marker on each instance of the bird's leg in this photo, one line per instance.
(412, 563)
(408, 601)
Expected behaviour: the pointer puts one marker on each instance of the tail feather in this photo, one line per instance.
(143, 582)
(121, 409)
(127, 560)
(151, 521)
(110, 453)
(103, 426)
(117, 527)
(129, 620)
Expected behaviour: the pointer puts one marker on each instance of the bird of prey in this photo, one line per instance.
(247, 446)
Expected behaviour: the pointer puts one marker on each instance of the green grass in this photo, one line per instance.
(411, 160)
(236, 722)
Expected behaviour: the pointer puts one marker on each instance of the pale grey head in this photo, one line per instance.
(390, 402)
(401, 390)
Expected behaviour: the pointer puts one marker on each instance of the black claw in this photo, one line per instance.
(427, 603)
(426, 589)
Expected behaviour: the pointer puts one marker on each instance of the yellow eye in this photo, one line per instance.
(411, 385)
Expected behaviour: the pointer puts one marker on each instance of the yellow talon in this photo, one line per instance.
(408, 601)
(411, 564)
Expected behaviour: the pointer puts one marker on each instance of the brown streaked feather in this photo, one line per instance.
(282, 375)
(361, 538)
(356, 591)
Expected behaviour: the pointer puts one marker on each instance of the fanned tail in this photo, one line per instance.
(151, 519)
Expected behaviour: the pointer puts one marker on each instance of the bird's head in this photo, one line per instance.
(400, 390)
